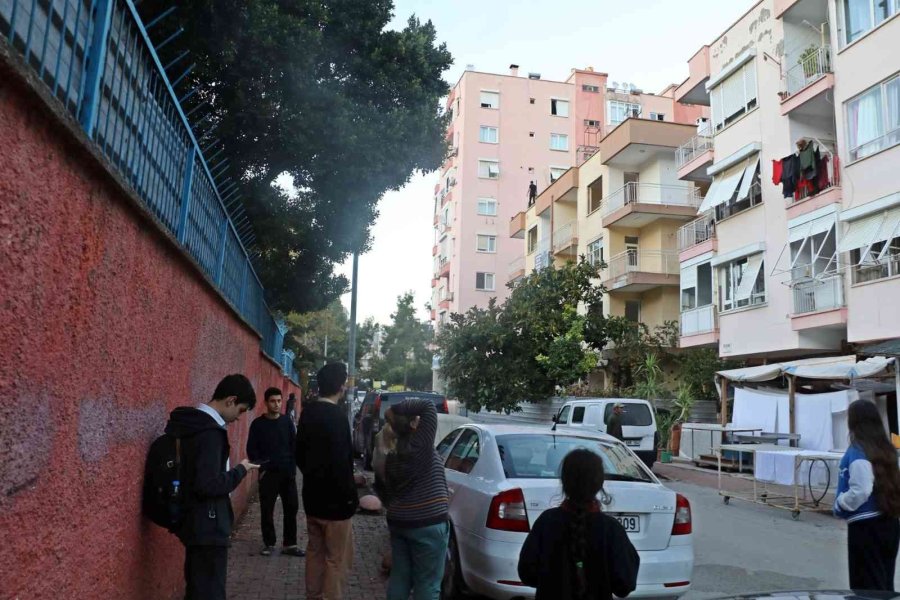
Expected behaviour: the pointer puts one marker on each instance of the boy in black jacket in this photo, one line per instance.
(208, 518)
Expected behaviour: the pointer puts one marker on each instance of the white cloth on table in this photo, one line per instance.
(779, 468)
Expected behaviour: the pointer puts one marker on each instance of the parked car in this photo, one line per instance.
(502, 477)
(370, 419)
(638, 421)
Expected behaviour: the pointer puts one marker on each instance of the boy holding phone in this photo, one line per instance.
(271, 445)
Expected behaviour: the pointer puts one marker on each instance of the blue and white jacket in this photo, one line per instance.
(855, 500)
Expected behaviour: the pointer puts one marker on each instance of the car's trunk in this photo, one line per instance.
(652, 504)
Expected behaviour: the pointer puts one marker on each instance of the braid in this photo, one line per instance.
(576, 537)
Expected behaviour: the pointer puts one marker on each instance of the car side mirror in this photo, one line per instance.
(555, 418)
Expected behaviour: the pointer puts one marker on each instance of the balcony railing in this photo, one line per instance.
(873, 270)
(516, 266)
(565, 237)
(644, 261)
(693, 148)
(699, 320)
(811, 68)
(650, 193)
(819, 294)
(696, 232)
(833, 180)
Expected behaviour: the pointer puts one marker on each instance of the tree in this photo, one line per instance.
(631, 343)
(526, 348)
(312, 331)
(406, 355)
(321, 93)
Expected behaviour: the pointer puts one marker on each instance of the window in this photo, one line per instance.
(873, 119)
(595, 195)
(742, 283)
(591, 123)
(484, 282)
(559, 141)
(488, 169)
(556, 173)
(617, 111)
(657, 116)
(734, 97)
(490, 99)
(488, 135)
(633, 310)
(560, 108)
(635, 415)
(688, 299)
(487, 207)
(578, 415)
(532, 239)
(465, 453)
(531, 100)
(540, 456)
(444, 447)
(874, 246)
(594, 89)
(486, 243)
(595, 252)
(861, 16)
(563, 416)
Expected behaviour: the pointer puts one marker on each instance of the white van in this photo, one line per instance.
(638, 421)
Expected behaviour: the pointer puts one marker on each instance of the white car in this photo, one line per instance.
(501, 478)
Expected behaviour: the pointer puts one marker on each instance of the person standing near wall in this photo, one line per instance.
(291, 409)
(206, 529)
(868, 497)
(325, 457)
(271, 444)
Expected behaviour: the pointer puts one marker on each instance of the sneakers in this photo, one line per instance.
(266, 551)
(293, 551)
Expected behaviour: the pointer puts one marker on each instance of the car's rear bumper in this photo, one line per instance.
(486, 563)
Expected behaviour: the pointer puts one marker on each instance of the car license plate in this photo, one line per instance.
(631, 523)
(632, 443)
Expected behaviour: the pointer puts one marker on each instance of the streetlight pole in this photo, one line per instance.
(351, 367)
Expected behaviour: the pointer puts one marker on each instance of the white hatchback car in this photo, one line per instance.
(501, 478)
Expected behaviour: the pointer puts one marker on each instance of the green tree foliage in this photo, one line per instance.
(309, 332)
(321, 93)
(529, 346)
(406, 349)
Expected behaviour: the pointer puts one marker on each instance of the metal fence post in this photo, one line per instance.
(220, 265)
(96, 64)
(186, 195)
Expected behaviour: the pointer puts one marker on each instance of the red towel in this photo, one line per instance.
(776, 172)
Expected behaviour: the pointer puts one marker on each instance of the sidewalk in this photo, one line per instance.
(277, 577)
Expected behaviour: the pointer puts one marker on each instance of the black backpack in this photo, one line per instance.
(164, 486)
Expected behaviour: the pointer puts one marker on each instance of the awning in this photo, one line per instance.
(814, 227)
(747, 180)
(833, 367)
(727, 183)
(869, 230)
(748, 279)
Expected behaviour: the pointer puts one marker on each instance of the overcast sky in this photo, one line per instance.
(644, 42)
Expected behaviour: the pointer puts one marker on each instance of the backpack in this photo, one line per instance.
(164, 487)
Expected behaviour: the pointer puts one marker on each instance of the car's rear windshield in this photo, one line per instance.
(634, 414)
(389, 400)
(540, 456)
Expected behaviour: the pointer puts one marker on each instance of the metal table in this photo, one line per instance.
(767, 437)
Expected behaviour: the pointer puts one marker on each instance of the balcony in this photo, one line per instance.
(782, 6)
(806, 202)
(693, 90)
(637, 141)
(565, 240)
(445, 267)
(699, 327)
(811, 77)
(434, 250)
(818, 303)
(695, 156)
(516, 270)
(444, 303)
(878, 268)
(517, 226)
(542, 258)
(697, 237)
(642, 270)
(636, 205)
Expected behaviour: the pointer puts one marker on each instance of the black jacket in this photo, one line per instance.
(325, 457)
(204, 454)
(611, 564)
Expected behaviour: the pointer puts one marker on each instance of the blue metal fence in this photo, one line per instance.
(96, 58)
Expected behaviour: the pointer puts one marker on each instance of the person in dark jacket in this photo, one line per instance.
(614, 422)
(271, 444)
(868, 497)
(206, 530)
(291, 409)
(325, 457)
(575, 552)
(417, 503)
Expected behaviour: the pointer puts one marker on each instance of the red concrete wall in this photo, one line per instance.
(105, 327)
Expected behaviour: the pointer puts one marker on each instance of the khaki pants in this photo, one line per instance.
(329, 556)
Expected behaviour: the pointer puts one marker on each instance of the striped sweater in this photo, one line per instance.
(416, 485)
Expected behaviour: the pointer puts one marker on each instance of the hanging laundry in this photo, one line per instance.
(776, 172)
(807, 156)
(822, 179)
(790, 175)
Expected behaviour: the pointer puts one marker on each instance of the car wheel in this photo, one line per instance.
(452, 586)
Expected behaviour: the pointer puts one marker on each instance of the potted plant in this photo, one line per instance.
(683, 403)
(650, 388)
(664, 422)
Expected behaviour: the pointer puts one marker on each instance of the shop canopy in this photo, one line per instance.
(837, 368)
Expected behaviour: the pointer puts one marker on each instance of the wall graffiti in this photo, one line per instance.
(102, 424)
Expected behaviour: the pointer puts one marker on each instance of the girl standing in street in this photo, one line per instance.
(575, 552)
(868, 497)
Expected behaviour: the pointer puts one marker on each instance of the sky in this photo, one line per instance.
(644, 42)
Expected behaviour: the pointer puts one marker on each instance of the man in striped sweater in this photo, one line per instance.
(417, 503)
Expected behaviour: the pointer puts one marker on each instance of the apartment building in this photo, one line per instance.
(796, 251)
(623, 207)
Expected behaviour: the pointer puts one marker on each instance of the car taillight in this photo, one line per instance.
(507, 512)
(682, 525)
(446, 406)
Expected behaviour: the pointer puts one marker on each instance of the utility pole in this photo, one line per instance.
(351, 367)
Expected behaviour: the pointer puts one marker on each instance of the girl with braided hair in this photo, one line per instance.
(575, 552)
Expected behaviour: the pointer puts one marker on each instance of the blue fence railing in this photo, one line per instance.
(96, 58)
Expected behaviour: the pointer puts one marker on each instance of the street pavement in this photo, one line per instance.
(740, 548)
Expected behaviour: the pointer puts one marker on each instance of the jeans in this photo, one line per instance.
(329, 556)
(418, 562)
(271, 485)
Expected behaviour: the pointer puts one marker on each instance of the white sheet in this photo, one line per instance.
(755, 410)
(778, 467)
(814, 414)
